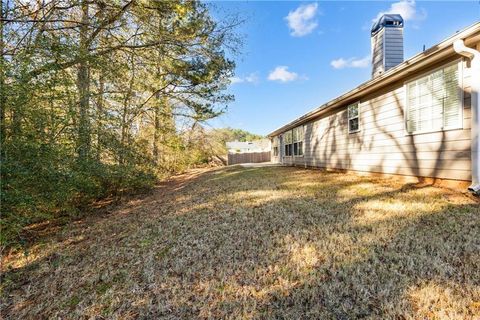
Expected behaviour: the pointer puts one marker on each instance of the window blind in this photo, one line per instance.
(433, 101)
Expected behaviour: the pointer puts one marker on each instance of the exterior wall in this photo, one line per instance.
(273, 158)
(261, 145)
(382, 144)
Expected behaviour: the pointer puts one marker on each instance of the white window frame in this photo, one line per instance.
(358, 117)
(459, 63)
(301, 127)
(293, 142)
(286, 144)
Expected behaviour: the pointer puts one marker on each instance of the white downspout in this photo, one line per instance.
(474, 56)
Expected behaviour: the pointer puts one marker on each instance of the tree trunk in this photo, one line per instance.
(83, 87)
(157, 110)
(124, 132)
(100, 108)
(124, 125)
(3, 93)
(15, 112)
(161, 126)
(156, 132)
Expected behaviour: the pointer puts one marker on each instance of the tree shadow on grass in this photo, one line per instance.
(267, 243)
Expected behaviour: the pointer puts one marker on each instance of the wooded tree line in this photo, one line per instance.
(100, 97)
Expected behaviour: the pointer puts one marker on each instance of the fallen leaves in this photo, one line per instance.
(260, 243)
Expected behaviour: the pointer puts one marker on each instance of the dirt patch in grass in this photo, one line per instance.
(271, 242)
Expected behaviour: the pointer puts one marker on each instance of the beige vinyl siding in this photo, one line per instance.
(383, 145)
(275, 143)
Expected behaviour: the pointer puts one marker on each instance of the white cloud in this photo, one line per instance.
(251, 78)
(282, 74)
(302, 21)
(342, 63)
(338, 63)
(234, 80)
(360, 63)
(407, 9)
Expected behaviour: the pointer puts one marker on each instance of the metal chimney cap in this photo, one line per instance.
(387, 20)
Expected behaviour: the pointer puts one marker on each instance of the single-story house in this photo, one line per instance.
(419, 117)
(261, 145)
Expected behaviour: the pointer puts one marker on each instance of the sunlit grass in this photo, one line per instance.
(270, 242)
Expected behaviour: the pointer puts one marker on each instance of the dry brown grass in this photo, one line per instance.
(260, 243)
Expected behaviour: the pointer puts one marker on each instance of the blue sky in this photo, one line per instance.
(299, 55)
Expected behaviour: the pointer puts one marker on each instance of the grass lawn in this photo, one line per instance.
(275, 242)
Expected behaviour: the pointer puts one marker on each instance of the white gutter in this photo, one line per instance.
(474, 56)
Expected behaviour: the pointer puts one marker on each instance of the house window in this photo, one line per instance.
(275, 147)
(293, 141)
(288, 141)
(434, 101)
(298, 135)
(353, 118)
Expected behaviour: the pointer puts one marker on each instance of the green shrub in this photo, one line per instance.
(41, 182)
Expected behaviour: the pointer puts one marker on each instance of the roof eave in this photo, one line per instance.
(423, 59)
